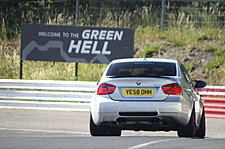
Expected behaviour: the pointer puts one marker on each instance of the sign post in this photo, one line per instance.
(21, 68)
(76, 22)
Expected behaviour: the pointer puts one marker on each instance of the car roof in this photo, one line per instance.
(144, 60)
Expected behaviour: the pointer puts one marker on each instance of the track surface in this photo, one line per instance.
(26, 129)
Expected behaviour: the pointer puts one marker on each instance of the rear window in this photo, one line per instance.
(142, 69)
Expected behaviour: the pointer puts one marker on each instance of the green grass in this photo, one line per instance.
(9, 66)
(210, 48)
(149, 40)
(189, 66)
(136, 48)
(219, 52)
(35, 70)
(149, 50)
(216, 63)
(188, 38)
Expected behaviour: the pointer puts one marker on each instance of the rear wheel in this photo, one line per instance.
(201, 131)
(103, 130)
(190, 129)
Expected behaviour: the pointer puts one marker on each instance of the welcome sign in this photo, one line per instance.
(75, 43)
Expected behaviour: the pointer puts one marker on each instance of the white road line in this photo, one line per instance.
(149, 143)
(46, 131)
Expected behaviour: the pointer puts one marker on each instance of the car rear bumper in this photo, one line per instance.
(127, 114)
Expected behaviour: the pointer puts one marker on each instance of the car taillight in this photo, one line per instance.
(105, 89)
(172, 89)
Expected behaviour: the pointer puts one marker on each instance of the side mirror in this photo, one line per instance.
(199, 84)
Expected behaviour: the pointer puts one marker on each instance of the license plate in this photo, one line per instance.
(138, 92)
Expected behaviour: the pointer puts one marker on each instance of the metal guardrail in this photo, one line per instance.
(65, 95)
(76, 95)
(214, 98)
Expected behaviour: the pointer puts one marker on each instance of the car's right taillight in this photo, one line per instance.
(105, 89)
(172, 89)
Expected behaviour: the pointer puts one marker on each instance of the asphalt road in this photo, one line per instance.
(34, 129)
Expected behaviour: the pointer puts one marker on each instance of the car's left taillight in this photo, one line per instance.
(105, 89)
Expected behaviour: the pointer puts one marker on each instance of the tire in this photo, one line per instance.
(103, 130)
(190, 129)
(200, 133)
